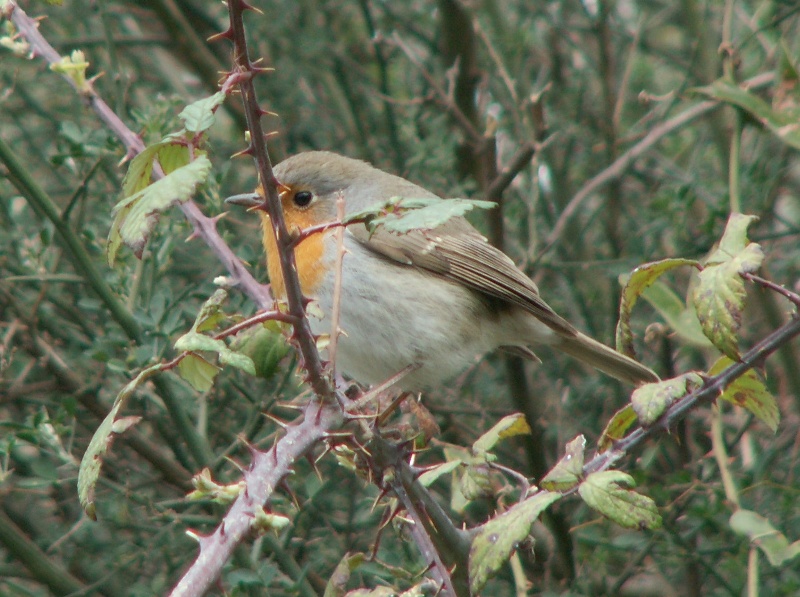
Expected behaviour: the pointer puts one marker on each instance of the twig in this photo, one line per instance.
(623, 162)
(793, 297)
(337, 282)
(203, 226)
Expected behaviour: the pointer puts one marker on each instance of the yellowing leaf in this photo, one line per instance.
(719, 295)
(603, 492)
(92, 460)
(617, 426)
(749, 392)
(136, 215)
(640, 280)
(567, 471)
(508, 426)
(651, 400)
(499, 537)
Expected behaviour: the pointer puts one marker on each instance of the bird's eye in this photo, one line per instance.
(303, 198)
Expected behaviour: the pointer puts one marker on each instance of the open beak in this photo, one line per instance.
(248, 200)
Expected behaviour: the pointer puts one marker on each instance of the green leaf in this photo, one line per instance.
(135, 216)
(265, 345)
(402, 214)
(498, 538)
(749, 392)
(761, 533)
(640, 280)
(679, 317)
(198, 372)
(508, 426)
(651, 400)
(617, 427)
(92, 460)
(140, 171)
(173, 156)
(199, 116)
(567, 471)
(784, 124)
(431, 475)
(194, 342)
(602, 492)
(719, 295)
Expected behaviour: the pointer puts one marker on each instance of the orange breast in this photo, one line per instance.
(307, 254)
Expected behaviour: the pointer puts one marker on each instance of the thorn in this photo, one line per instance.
(249, 151)
(227, 34)
(264, 112)
(276, 420)
(246, 6)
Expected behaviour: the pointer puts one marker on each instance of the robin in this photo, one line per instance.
(434, 299)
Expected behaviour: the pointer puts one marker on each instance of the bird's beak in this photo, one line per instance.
(248, 200)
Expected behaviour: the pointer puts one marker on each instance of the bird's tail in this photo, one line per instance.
(606, 359)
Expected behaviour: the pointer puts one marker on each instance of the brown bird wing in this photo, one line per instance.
(457, 252)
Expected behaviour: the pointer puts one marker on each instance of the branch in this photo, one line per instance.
(266, 472)
(246, 72)
(707, 394)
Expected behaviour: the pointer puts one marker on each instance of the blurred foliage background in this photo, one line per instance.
(447, 94)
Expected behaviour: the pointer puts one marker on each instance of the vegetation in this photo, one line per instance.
(164, 429)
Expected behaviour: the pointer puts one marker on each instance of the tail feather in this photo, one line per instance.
(606, 359)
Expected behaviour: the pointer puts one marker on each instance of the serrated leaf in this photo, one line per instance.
(92, 460)
(719, 295)
(784, 124)
(640, 280)
(404, 214)
(603, 492)
(567, 471)
(651, 400)
(199, 116)
(135, 216)
(194, 342)
(678, 316)
(617, 427)
(475, 482)
(198, 372)
(749, 392)
(508, 426)
(499, 537)
(761, 533)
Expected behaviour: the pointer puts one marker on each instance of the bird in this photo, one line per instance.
(427, 301)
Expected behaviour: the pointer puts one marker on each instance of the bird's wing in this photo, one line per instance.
(456, 251)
